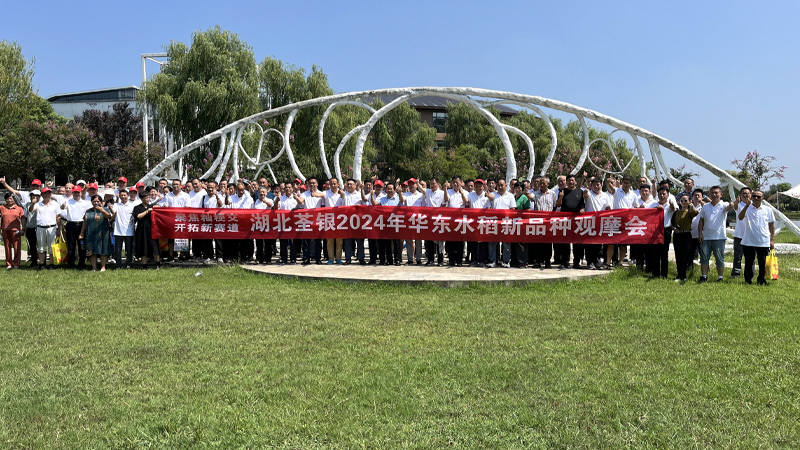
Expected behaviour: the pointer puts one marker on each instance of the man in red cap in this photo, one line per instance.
(48, 225)
(73, 211)
(122, 184)
(22, 195)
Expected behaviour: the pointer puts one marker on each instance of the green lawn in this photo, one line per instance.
(232, 359)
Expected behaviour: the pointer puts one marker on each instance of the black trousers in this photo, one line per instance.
(455, 252)
(561, 253)
(30, 235)
(543, 253)
(74, 249)
(682, 242)
(750, 255)
(288, 251)
(264, 250)
(127, 241)
(592, 252)
(433, 252)
(312, 249)
(658, 256)
(392, 251)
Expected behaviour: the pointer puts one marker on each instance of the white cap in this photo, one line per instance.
(36, 192)
(80, 182)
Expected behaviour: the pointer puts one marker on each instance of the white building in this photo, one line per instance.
(75, 103)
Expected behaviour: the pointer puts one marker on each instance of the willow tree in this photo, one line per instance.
(17, 96)
(204, 86)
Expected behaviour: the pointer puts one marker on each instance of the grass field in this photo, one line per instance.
(232, 359)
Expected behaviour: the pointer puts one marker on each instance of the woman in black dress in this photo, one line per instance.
(146, 246)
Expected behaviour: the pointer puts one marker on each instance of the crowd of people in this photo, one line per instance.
(98, 226)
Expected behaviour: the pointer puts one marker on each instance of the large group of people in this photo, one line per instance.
(99, 226)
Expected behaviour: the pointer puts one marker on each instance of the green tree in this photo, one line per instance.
(50, 149)
(402, 141)
(282, 84)
(755, 170)
(115, 130)
(204, 86)
(17, 96)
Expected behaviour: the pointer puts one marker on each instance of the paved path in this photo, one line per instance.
(445, 276)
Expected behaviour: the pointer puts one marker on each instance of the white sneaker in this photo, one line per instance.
(220, 261)
(208, 261)
(507, 265)
(490, 266)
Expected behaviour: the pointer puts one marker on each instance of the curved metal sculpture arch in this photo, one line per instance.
(230, 135)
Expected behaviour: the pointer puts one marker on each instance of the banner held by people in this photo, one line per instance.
(620, 226)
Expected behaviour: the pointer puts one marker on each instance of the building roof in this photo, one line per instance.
(433, 102)
(83, 95)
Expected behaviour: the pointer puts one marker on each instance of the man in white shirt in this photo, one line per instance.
(312, 198)
(373, 192)
(352, 196)
(195, 200)
(48, 225)
(73, 211)
(122, 215)
(595, 200)
(175, 199)
(503, 200)
(738, 232)
(263, 246)
(456, 197)
(712, 233)
(242, 248)
(332, 197)
(214, 199)
(434, 198)
(657, 258)
(759, 235)
(288, 202)
(414, 197)
(624, 198)
(477, 252)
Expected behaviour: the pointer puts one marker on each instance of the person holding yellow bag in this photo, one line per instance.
(759, 235)
(48, 225)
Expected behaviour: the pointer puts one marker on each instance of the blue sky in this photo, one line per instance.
(716, 77)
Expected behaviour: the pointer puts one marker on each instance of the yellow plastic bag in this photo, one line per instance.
(772, 265)
(59, 251)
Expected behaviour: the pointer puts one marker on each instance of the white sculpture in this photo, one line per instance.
(230, 146)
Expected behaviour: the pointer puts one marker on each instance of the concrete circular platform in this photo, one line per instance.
(414, 275)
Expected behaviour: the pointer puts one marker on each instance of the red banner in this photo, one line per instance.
(618, 226)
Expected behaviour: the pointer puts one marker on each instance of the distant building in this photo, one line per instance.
(75, 103)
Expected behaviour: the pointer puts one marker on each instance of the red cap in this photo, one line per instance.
(46, 189)
(412, 180)
(378, 183)
(133, 189)
(405, 183)
(36, 181)
(122, 179)
(302, 186)
(298, 180)
(92, 186)
(139, 184)
(77, 189)
(478, 180)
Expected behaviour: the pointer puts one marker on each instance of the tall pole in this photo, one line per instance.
(145, 116)
(145, 120)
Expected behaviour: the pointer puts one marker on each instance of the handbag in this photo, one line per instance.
(772, 265)
(59, 251)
